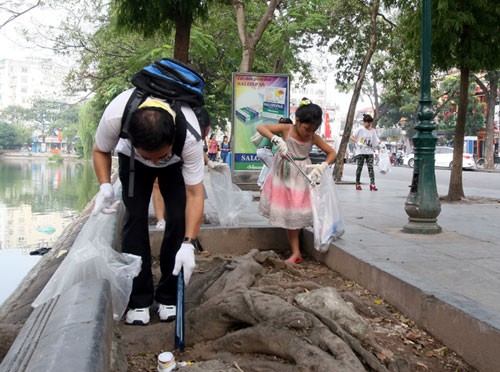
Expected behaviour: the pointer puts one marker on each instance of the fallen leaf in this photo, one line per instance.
(420, 364)
(442, 350)
(384, 354)
(414, 336)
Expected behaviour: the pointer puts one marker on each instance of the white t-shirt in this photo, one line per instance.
(107, 138)
(368, 139)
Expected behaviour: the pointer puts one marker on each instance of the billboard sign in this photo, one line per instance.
(257, 99)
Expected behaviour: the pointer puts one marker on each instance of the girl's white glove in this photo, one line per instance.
(105, 200)
(184, 259)
(280, 144)
(317, 170)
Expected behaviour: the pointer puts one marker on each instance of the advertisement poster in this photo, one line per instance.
(258, 99)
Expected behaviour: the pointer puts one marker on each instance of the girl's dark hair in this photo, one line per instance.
(151, 129)
(368, 118)
(310, 114)
(285, 121)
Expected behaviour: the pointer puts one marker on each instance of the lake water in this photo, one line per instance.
(38, 200)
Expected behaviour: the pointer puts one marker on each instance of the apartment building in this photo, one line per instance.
(22, 81)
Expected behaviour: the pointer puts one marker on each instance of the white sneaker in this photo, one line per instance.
(167, 312)
(137, 316)
(160, 225)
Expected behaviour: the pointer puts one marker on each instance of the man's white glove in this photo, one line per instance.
(280, 144)
(216, 165)
(105, 200)
(317, 170)
(184, 259)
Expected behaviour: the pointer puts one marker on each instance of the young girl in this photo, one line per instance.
(285, 197)
(366, 141)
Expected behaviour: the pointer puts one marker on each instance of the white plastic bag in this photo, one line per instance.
(256, 138)
(92, 257)
(328, 224)
(384, 163)
(230, 200)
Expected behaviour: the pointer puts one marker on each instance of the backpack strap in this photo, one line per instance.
(135, 99)
(181, 125)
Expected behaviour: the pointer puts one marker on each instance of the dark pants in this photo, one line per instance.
(135, 233)
(360, 159)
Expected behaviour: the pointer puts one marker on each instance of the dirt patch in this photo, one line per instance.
(391, 342)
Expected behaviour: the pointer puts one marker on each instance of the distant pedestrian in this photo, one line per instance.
(366, 141)
(225, 148)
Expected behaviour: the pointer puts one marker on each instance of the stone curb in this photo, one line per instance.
(72, 332)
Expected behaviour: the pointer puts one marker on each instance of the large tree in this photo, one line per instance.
(466, 36)
(162, 16)
(354, 33)
(249, 39)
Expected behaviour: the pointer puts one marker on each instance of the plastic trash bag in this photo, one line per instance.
(230, 200)
(92, 257)
(328, 224)
(384, 163)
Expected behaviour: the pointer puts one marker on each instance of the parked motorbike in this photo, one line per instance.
(397, 158)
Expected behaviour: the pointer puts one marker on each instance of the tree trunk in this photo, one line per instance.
(182, 35)
(339, 161)
(456, 190)
(376, 101)
(248, 40)
(492, 94)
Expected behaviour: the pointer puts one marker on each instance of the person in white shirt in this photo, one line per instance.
(151, 137)
(366, 141)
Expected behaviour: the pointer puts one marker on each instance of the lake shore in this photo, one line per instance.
(36, 155)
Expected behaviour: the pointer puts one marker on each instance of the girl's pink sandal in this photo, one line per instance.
(294, 260)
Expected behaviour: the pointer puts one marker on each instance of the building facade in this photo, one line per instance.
(23, 81)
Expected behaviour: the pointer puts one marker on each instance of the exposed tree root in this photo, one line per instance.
(244, 309)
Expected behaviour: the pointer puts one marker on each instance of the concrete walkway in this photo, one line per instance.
(449, 283)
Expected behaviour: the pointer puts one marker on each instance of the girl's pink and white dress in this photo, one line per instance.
(285, 198)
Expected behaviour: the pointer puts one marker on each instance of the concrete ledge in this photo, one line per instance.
(233, 240)
(73, 332)
(461, 324)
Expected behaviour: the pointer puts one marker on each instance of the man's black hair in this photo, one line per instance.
(151, 128)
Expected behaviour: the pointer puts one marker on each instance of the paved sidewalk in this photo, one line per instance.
(449, 283)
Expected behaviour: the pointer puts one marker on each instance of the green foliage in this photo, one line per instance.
(88, 120)
(13, 136)
(464, 33)
(151, 17)
(15, 115)
(56, 158)
(446, 109)
(44, 116)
